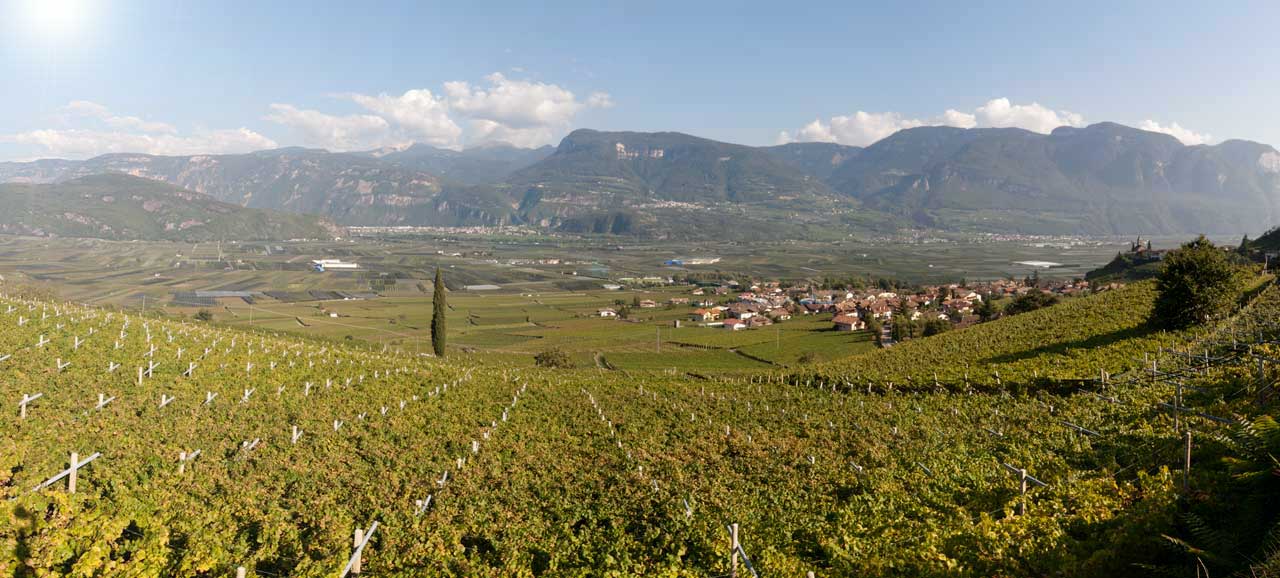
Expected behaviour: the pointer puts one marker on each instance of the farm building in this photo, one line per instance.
(323, 265)
(848, 323)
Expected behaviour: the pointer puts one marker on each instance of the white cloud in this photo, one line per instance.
(515, 103)
(90, 129)
(418, 114)
(80, 109)
(318, 129)
(600, 100)
(999, 112)
(483, 130)
(86, 143)
(864, 128)
(958, 119)
(521, 112)
(1187, 136)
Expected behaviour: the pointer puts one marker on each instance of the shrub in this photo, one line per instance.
(1030, 301)
(1197, 283)
(555, 358)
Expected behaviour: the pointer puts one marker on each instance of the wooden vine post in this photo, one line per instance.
(1022, 505)
(355, 545)
(1186, 469)
(361, 540)
(733, 549)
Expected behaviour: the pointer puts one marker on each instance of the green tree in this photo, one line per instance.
(555, 358)
(1030, 301)
(987, 310)
(934, 326)
(438, 307)
(1197, 283)
(203, 315)
(873, 325)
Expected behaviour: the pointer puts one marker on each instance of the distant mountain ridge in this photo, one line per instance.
(484, 164)
(124, 207)
(350, 188)
(1103, 179)
(655, 183)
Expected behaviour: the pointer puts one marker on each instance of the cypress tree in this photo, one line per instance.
(437, 315)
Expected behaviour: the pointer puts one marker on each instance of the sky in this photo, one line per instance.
(87, 77)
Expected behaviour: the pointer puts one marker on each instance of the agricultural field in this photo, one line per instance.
(472, 466)
(510, 297)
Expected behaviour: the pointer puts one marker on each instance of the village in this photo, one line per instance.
(930, 309)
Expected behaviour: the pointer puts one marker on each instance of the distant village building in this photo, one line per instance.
(323, 265)
(848, 323)
(607, 313)
(705, 315)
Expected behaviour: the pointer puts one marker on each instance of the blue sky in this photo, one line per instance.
(85, 77)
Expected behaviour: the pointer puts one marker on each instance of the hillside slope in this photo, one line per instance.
(1102, 179)
(819, 159)
(1069, 341)
(128, 208)
(486, 164)
(668, 184)
(351, 189)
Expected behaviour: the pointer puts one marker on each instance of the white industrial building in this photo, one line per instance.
(328, 264)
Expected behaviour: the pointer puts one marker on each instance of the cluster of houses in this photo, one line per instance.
(747, 312)
(954, 303)
(735, 307)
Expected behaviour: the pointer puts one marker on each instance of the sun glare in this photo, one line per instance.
(56, 19)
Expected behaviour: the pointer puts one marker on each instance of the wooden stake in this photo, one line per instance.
(71, 478)
(1022, 507)
(733, 545)
(1186, 469)
(240, 572)
(355, 566)
(1177, 407)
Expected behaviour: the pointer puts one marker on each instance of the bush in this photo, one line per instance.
(555, 358)
(204, 315)
(935, 326)
(1030, 301)
(1197, 283)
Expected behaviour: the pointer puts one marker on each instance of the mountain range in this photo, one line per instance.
(1102, 179)
(124, 207)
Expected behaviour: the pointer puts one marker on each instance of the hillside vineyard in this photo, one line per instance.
(215, 449)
